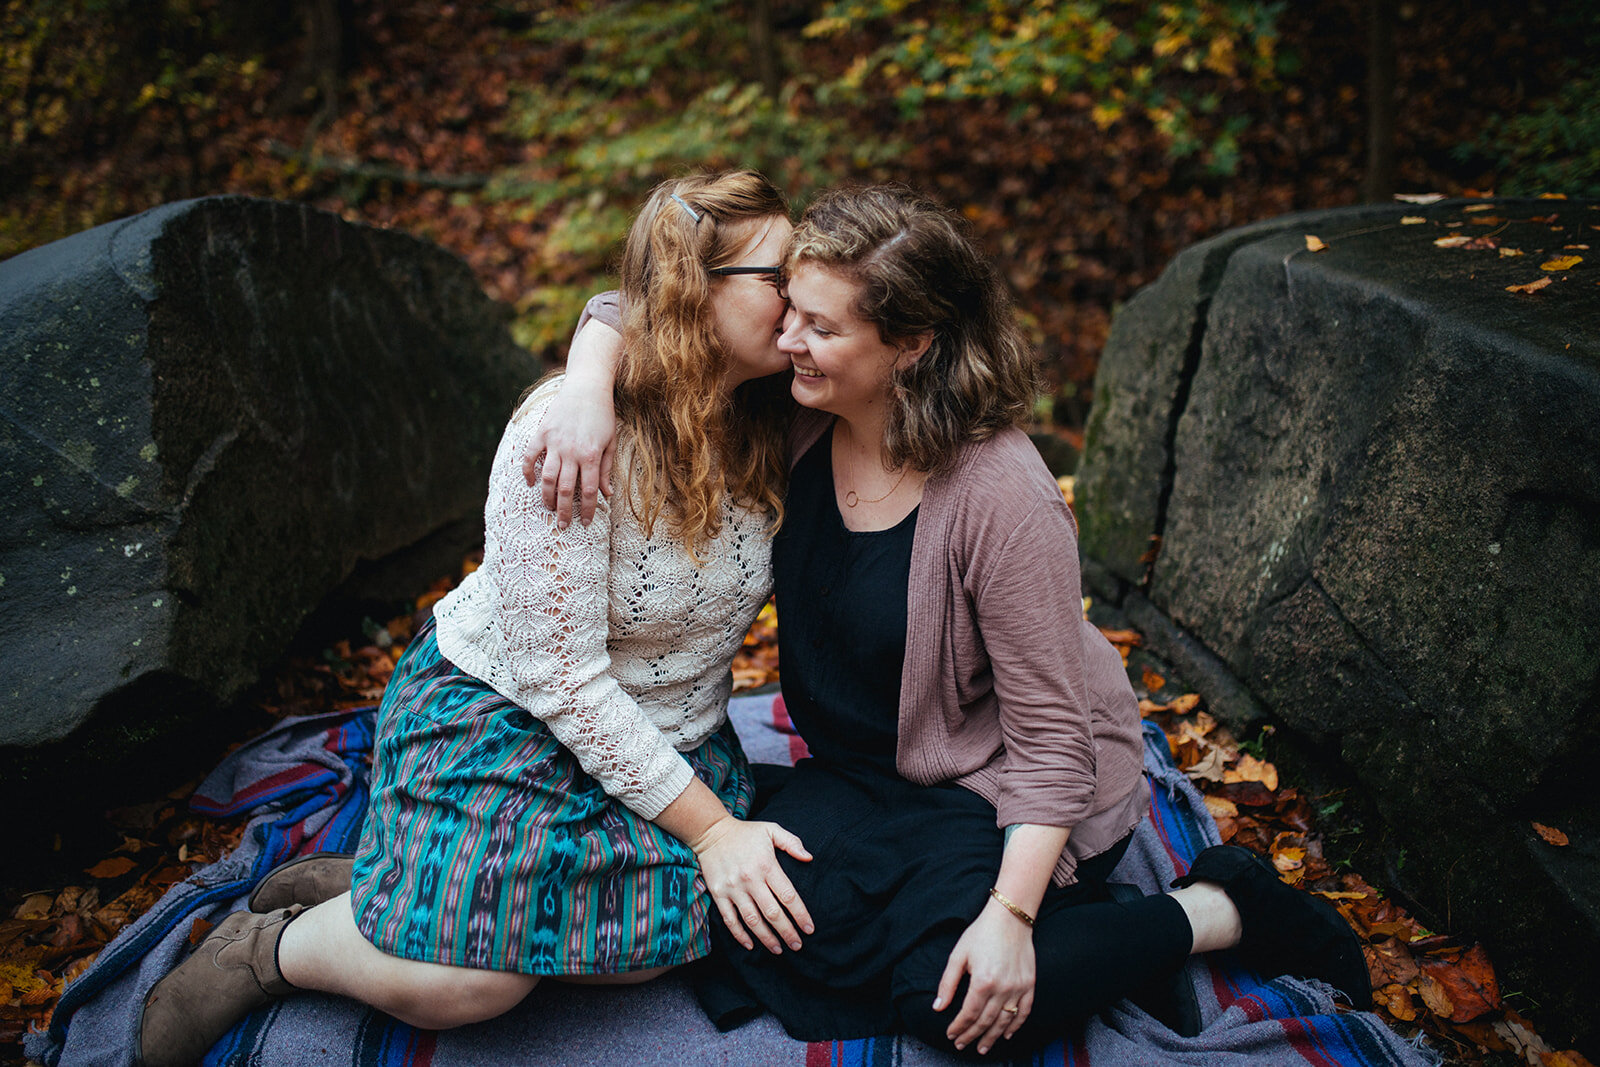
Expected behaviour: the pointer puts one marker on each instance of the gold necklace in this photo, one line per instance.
(851, 499)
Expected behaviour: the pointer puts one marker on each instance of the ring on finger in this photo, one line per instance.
(1011, 1009)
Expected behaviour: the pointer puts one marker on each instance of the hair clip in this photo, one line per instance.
(693, 214)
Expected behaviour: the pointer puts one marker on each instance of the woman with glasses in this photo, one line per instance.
(554, 773)
(976, 758)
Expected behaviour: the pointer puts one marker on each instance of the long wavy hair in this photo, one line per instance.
(690, 444)
(919, 272)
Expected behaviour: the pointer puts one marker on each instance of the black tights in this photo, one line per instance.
(1088, 956)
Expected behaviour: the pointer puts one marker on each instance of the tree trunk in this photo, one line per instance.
(1378, 184)
(764, 46)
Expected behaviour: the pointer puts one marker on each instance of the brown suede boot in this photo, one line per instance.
(306, 881)
(234, 971)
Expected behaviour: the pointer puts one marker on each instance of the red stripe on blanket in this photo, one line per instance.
(797, 746)
(818, 1053)
(1304, 1041)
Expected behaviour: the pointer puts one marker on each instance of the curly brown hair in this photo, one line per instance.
(919, 272)
(690, 443)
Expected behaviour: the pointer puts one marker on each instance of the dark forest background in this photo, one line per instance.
(1087, 140)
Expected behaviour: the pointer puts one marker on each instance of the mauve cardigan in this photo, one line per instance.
(1006, 689)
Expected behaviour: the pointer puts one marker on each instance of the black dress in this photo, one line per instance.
(900, 869)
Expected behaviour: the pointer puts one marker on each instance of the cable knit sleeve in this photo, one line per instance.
(544, 592)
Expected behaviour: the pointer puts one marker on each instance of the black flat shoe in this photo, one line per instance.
(1286, 930)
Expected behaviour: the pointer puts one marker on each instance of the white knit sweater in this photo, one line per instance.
(618, 642)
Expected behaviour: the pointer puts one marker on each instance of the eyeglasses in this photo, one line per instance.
(771, 272)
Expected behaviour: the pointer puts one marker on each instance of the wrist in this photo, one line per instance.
(711, 834)
(579, 379)
(1010, 908)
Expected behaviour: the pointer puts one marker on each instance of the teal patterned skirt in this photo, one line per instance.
(486, 845)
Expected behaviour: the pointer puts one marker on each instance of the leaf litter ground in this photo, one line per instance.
(1443, 986)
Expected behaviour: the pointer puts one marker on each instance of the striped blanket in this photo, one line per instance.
(304, 783)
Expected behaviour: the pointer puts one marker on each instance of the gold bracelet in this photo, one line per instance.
(1012, 908)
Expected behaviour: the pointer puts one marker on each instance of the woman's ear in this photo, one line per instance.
(913, 349)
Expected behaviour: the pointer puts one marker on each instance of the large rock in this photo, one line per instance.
(1374, 474)
(213, 412)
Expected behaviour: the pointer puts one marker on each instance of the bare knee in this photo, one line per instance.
(457, 996)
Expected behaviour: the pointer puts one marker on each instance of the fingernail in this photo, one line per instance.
(808, 928)
(795, 945)
(983, 1050)
(938, 1005)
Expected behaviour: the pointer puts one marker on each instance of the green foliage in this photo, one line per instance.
(630, 112)
(72, 66)
(1167, 64)
(1554, 145)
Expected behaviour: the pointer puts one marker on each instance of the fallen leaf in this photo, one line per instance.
(1210, 768)
(1221, 807)
(111, 868)
(1436, 997)
(1250, 769)
(1468, 984)
(1342, 894)
(1514, 1031)
(1576, 248)
(1508, 253)
(1568, 1058)
(1477, 207)
(1551, 835)
(1561, 263)
(35, 907)
(1396, 1001)
(1471, 244)
(1151, 680)
(1289, 859)
(1531, 287)
(1488, 220)
(199, 929)
(1390, 962)
(1419, 198)
(1315, 244)
(1412, 220)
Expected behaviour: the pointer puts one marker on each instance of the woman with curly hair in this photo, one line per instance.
(555, 786)
(976, 760)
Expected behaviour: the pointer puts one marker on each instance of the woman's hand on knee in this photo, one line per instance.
(740, 863)
(996, 953)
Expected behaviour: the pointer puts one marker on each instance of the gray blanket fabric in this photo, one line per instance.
(304, 784)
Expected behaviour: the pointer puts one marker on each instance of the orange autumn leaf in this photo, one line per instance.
(1221, 807)
(1315, 244)
(1468, 985)
(1530, 287)
(1561, 263)
(1251, 769)
(1551, 835)
(1289, 859)
(1568, 1058)
(1151, 680)
(111, 868)
(1436, 996)
(1396, 1001)
(1390, 962)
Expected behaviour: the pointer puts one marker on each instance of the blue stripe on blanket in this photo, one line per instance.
(305, 782)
